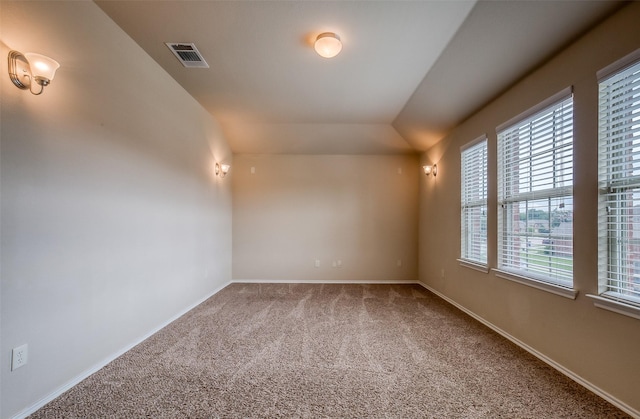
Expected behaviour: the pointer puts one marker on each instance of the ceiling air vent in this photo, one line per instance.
(188, 55)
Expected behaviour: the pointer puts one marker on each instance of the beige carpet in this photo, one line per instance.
(314, 350)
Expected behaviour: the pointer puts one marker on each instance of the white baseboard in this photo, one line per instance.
(575, 377)
(85, 374)
(58, 392)
(322, 281)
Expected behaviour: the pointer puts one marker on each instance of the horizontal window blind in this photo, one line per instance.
(535, 194)
(474, 202)
(619, 176)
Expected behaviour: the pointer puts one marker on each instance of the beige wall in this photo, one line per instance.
(597, 345)
(112, 220)
(299, 208)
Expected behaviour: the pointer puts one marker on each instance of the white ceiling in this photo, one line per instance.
(408, 71)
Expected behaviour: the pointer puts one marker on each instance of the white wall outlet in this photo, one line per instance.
(253, 170)
(18, 357)
(317, 263)
(399, 263)
(399, 170)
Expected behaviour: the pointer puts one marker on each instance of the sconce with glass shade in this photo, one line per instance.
(27, 68)
(431, 170)
(328, 45)
(222, 169)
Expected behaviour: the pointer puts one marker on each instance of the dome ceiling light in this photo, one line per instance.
(328, 45)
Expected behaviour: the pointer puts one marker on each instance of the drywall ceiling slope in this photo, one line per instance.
(409, 70)
(269, 89)
(499, 43)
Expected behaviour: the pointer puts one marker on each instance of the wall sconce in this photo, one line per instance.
(431, 170)
(222, 169)
(24, 69)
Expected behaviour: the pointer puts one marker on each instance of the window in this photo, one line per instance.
(619, 182)
(474, 201)
(535, 193)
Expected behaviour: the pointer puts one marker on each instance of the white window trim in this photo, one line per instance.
(606, 299)
(470, 144)
(561, 95)
(471, 263)
(529, 279)
(607, 303)
(541, 285)
(474, 265)
(620, 65)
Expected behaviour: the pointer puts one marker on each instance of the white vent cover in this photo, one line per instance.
(188, 55)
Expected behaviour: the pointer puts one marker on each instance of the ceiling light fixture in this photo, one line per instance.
(24, 69)
(328, 45)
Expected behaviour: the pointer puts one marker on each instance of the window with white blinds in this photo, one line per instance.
(474, 201)
(535, 192)
(619, 181)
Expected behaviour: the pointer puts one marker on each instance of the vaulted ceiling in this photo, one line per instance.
(409, 71)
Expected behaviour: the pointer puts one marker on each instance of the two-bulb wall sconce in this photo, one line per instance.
(222, 169)
(28, 69)
(430, 170)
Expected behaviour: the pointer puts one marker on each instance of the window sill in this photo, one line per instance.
(619, 307)
(544, 286)
(473, 265)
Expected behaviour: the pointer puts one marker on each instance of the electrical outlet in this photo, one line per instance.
(399, 263)
(317, 263)
(18, 357)
(339, 264)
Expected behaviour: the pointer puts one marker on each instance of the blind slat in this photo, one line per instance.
(474, 201)
(535, 194)
(619, 178)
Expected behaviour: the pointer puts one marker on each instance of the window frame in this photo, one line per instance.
(559, 283)
(617, 189)
(475, 154)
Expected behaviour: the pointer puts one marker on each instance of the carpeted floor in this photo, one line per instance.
(312, 350)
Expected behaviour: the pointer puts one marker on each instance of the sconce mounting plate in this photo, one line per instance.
(19, 70)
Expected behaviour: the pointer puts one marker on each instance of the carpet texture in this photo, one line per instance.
(312, 350)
